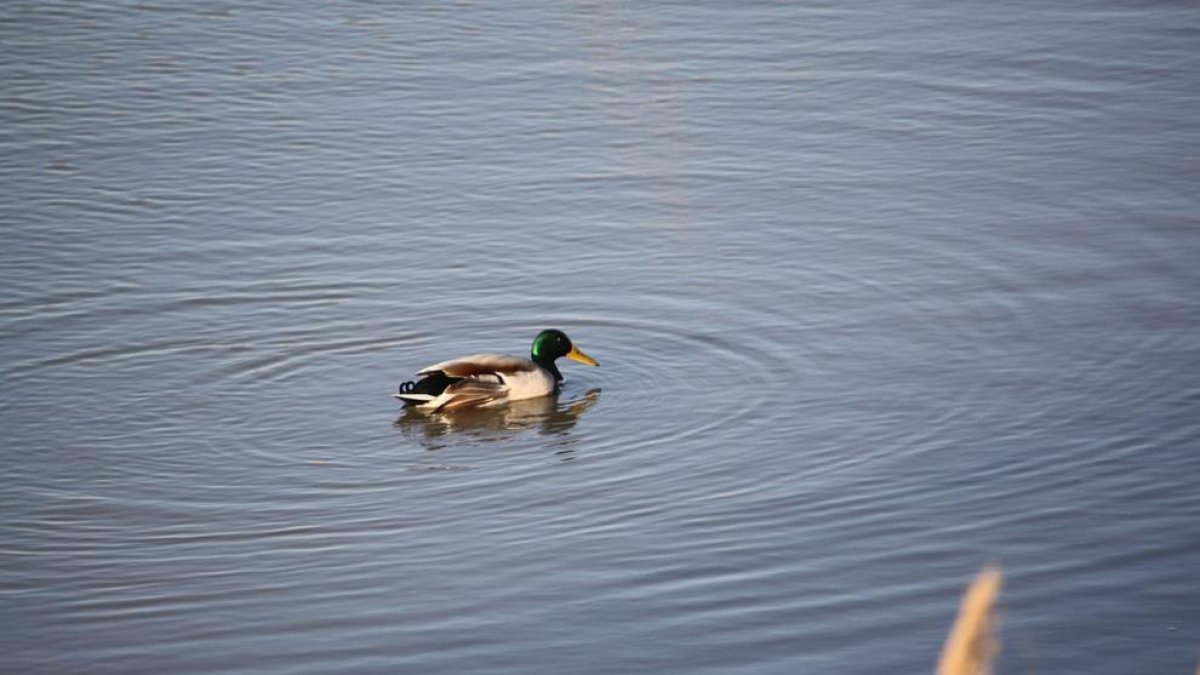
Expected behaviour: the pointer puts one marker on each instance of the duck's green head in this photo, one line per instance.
(552, 344)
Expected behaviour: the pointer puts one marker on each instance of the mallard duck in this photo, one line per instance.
(491, 379)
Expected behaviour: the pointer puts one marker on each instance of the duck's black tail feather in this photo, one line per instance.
(425, 389)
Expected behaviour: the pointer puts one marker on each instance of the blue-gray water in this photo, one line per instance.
(880, 291)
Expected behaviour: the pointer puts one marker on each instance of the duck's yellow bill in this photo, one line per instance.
(576, 355)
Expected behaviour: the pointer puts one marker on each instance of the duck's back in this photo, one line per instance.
(481, 364)
(487, 379)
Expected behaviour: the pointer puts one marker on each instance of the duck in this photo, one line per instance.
(485, 380)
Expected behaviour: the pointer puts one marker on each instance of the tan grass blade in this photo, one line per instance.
(971, 646)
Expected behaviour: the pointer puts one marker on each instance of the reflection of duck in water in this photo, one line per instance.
(484, 380)
(546, 413)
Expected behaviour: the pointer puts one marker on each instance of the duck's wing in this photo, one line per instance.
(476, 365)
(472, 392)
(469, 381)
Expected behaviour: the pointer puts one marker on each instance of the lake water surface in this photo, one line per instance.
(881, 292)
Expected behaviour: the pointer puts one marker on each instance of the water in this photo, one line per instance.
(880, 291)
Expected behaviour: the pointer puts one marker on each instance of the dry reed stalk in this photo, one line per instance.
(971, 645)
